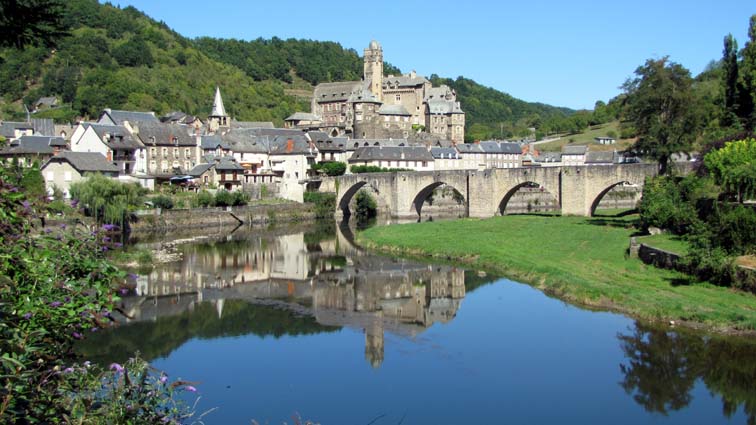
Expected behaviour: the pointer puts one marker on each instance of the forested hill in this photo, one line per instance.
(96, 55)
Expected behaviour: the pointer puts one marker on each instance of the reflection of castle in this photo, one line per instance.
(361, 291)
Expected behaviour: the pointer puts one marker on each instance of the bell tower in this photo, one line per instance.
(374, 69)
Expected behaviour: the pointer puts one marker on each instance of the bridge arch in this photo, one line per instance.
(347, 195)
(504, 200)
(424, 193)
(596, 199)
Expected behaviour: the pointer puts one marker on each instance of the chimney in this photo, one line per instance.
(290, 145)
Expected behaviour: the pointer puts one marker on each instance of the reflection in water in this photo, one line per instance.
(313, 273)
(662, 366)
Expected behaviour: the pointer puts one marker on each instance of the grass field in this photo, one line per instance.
(580, 260)
(586, 138)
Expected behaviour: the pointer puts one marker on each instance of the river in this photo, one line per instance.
(298, 322)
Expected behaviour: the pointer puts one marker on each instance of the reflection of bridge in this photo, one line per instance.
(578, 189)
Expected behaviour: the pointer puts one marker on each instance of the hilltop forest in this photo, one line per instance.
(92, 56)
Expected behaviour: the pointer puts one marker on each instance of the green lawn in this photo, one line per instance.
(666, 242)
(587, 138)
(581, 260)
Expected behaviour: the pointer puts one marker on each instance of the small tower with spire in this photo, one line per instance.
(218, 117)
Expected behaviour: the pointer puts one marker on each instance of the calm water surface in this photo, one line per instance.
(299, 321)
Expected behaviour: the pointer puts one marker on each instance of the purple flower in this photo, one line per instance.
(94, 329)
(48, 231)
(190, 388)
(76, 335)
(87, 363)
(26, 205)
(109, 227)
(56, 304)
(163, 379)
(123, 291)
(27, 316)
(63, 226)
(74, 203)
(116, 367)
(132, 276)
(104, 248)
(68, 370)
(117, 245)
(105, 239)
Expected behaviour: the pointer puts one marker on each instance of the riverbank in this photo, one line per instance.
(580, 260)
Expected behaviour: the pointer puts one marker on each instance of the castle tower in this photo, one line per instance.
(374, 69)
(218, 117)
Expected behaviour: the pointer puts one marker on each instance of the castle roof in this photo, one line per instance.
(393, 110)
(302, 116)
(403, 81)
(442, 92)
(336, 92)
(444, 107)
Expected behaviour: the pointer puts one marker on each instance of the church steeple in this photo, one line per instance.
(218, 117)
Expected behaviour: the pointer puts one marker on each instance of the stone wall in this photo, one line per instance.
(157, 220)
(659, 257)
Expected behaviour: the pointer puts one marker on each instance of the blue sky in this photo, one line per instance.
(564, 53)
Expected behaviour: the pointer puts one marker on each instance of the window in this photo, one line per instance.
(153, 166)
(187, 152)
(398, 97)
(153, 152)
(165, 153)
(175, 152)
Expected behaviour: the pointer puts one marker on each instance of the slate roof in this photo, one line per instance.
(247, 141)
(318, 136)
(442, 92)
(510, 148)
(164, 134)
(8, 128)
(252, 124)
(302, 116)
(119, 117)
(115, 136)
(85, 161)
(444, 107)
(290, 145)
(226, 164)
(605, 157)
(363, 95)
(391, 153)
(46, 101)
(331, 145)
(356, 143)
(444, 153)
(34, 145)
(393, 110)
(212, 142)
(574, 149)
(404, 81)
(469, 148)
(336, 92)
(200, 169)
(549, 157)
(43, 126)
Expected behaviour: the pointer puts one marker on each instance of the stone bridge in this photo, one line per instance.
(577, 189)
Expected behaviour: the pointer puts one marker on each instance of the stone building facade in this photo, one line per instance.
(387, 107)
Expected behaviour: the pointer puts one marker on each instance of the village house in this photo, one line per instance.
(26, 150)
(548, 159)
(303, 120)
(44, 103)
(12, 130)
(574, 155)
(601, 158)
(291, 158)
(446, 158)
(114, 142)
(605, 140)
(223, 173)
(170, 149)
(416, 158)
(66, 168)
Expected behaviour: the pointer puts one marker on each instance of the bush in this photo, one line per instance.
(224, 198)
(663, 205)
(163, 201)
(365, 205)
(203, 199)
(325, 203)
(240, 198)
(107, 200)
(334, 168)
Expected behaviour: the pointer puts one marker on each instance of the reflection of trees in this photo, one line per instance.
(161, 337)
(662, 367)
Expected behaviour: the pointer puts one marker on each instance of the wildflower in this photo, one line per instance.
(123, 291)
(68, 370)
(56, 304)
(26, 205)
(109, 227)
(63, 226)
(190, 388)
(132, 276)
(74, 203)
(48, 231)
(87, 363)
(163, 379)
(116, 367)
(27, 316)
(104, 248)
(95, 329)
(105, 239)
(117, 245)
(76, 335)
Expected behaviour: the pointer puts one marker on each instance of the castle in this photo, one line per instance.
(400, 107)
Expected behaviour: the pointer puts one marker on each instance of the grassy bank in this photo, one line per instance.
(581, 260)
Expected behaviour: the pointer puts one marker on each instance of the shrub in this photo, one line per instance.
(162, 201)
(240, 198)
(107, 200)
(664, 205)
(325, 203)
(224, 198)
(203, 199)
(334, 168)
(365, 205)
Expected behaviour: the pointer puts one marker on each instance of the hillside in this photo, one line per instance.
(123, 59)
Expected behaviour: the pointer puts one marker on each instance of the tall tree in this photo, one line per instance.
(661, 106)
(730, 77)
(748, 79)
(31, 22)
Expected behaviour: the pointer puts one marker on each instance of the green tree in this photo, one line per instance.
(661, 106)
(135, 52)
(734, 167)
(747, 87)
(31, 22)
(730, 80)
(107, 200)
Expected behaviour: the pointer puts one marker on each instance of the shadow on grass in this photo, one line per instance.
(619, 214)
(682, 281)
(613, 222)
